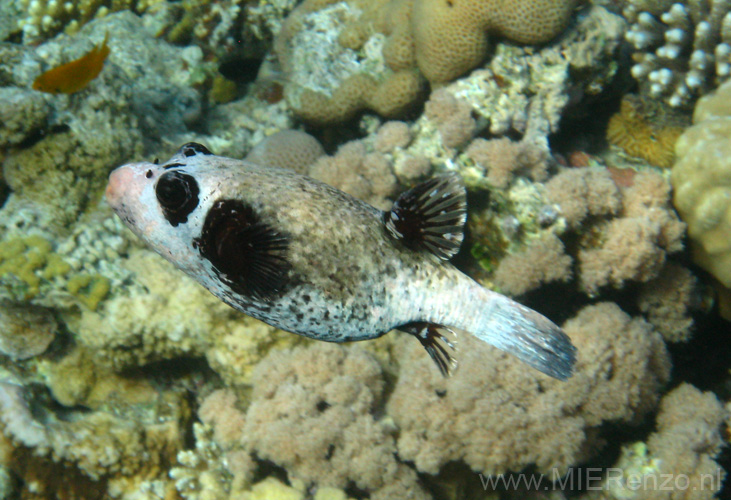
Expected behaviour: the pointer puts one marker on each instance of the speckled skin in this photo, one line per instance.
(348, 278)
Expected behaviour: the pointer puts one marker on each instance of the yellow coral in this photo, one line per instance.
(28, 263)
(451, 35)
(702, 181)
(633, 132)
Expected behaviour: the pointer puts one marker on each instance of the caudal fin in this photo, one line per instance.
(529, 336)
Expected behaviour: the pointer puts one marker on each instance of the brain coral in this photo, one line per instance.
(496, 416)
(451, 35)
(702, 181)
(342, 57)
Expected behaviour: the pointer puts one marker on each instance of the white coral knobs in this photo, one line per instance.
(682, 50)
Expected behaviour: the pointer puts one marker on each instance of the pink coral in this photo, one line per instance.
(290, 149)
(543, 261)
(581, 192)
(452, 116)
(367, 176)
(312, 412)
(687, 441)
(392, 135)
(496, 416)
(629, 251)
(503, 159)
(668, 300)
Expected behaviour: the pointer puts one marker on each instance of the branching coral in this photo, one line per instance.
(497, 416)
(683, 48)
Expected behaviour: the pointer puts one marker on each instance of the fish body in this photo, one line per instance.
(305, 257)
(74, 75)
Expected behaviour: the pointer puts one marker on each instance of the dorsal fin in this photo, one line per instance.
(430, 216)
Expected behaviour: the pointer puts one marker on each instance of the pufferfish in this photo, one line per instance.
(305, 257)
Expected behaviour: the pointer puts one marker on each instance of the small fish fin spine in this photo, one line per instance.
(438, 340)
(509, 326)
(430, 216)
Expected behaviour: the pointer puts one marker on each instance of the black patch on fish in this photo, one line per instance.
(248, 255)
(172, 165)
(430, 216)
(177, 194)
(194, 148)
(431, 337)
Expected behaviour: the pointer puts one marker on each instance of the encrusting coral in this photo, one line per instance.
(496, 416)
(682, 48)
(25, 331)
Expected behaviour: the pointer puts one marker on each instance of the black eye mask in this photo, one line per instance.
(177, 194)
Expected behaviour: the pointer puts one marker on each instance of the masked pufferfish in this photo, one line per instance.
(305, 257)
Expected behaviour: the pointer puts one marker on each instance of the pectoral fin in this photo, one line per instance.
(430, 216)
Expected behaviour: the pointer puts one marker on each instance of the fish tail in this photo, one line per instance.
(527, 335)
(500, 322)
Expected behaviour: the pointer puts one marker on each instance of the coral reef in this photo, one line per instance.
(145, 88)
(342, 57)
(622, 363)
(702, 183)
(683, 449)
(325, 395)
(122, 378)
(683, 49)
(630, 247)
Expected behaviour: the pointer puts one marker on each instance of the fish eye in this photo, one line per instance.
(193, 148)
(177, 193)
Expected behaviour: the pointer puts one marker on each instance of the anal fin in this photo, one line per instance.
(436, 343)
